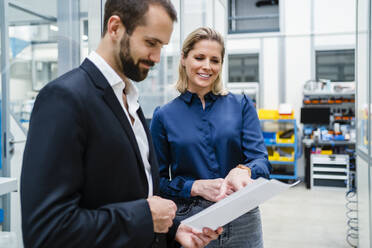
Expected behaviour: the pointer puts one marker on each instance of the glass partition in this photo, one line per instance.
(38, 38)
(363, 203)
(158, 88)
(362, 79)
(35, 35)
(368, 105)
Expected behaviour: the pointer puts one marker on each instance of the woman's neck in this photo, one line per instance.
(200, 93)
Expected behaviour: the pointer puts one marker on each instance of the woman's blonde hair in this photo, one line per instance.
(203, 33)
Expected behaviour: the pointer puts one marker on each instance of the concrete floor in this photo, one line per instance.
(305, 218)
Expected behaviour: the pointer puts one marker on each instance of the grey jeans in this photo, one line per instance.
(243, 232)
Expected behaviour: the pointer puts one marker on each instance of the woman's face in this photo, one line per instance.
(203, 64)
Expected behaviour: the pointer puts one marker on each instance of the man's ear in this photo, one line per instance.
(115, 27)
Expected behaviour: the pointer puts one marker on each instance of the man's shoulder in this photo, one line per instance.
(71, 78)
(71, 86)
(74, 81)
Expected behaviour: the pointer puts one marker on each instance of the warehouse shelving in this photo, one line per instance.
(319, 136)
(7, 185)
(284, 167)
(329, 171)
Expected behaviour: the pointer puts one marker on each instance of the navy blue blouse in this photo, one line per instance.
(192, 143)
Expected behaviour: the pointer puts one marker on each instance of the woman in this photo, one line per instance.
(208, 141)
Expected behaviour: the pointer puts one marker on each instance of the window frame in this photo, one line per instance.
(325, 50)
(232, 18)
(242, 54)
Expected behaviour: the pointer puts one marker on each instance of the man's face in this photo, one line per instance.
(132, 69)
(141, 50)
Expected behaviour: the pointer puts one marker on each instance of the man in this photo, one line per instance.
(89, 175)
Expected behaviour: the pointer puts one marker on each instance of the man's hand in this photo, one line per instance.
(234, 181)
(163, 212)
(190, 238)
(208, 189)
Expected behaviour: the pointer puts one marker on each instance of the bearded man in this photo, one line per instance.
(89, 175)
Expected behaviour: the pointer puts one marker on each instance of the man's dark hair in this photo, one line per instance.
(131, 12)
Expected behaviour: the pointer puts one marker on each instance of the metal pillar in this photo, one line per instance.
(68, 20)
(5, 134)
(95, 27)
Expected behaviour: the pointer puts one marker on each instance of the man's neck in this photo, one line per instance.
(109, 57)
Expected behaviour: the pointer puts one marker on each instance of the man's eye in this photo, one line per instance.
(151, 44)
(198, 58)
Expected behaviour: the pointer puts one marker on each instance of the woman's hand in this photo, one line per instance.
(208, 189)
(190, 238)
(235, 180)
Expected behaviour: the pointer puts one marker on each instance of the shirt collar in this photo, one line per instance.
(132, 93)
(113, 78)
(210, 96)
(187, 96)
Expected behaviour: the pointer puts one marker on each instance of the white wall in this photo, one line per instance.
(194, 15)
(298, 69)
(296, 18)
(305, 26)
(270, 79)
(334, 16)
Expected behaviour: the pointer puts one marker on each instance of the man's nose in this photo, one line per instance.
(155, 56)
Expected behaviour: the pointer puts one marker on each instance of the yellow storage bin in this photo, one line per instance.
(287, 150)
(268, 114)
(286, 117)
(287, 159)
(275, 156)
(326, 152)
(279, 140)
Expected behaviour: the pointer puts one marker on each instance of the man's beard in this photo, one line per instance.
(130, 69)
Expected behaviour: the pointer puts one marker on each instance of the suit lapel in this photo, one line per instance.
(152, 157)
(116, 108)
(111, 100)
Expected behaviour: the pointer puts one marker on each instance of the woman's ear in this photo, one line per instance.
(182, 59)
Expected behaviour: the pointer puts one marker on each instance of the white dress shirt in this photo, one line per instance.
(118, 85)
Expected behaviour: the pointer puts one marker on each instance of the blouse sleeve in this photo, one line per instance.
(178, 186)
(254, 149)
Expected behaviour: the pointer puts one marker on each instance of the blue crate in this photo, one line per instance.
(1, 215)
(269, 137)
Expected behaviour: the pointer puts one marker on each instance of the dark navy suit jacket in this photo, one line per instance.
(83, 182)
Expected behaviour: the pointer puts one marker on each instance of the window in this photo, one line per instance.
(20, 69)
(247, 16)
(335, 65)
(243, 68)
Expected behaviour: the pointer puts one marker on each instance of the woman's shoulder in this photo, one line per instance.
(168, 107)
(237, 98)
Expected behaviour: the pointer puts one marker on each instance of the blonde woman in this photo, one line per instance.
(208, 141)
